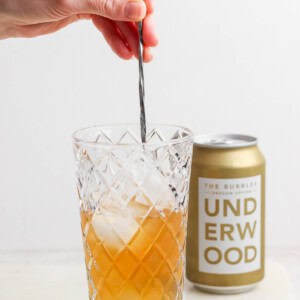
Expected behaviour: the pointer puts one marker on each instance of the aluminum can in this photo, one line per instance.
(226, 226)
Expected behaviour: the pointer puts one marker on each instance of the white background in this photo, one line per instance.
(224, 66)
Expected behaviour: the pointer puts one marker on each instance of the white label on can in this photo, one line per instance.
(229, 225)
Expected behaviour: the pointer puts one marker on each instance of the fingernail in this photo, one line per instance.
(135, 10)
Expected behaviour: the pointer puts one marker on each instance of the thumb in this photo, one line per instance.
(120, 10)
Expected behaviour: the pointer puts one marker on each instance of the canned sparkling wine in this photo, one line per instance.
(225, 245)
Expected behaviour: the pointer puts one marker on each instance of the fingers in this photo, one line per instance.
(148, 56)
(130, 34)
(149, 34)
(121, 10)
(150, 6)
(34, 30)
(121, 34)
(113, 37)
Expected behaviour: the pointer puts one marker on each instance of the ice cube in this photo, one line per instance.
(115, 230)
(156, 188)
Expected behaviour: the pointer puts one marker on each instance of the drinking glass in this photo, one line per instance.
(133, 200)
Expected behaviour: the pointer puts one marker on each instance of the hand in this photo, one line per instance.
(114, 18)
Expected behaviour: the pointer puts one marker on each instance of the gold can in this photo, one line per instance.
(226, 226)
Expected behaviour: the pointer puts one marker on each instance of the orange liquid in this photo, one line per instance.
(149, 265)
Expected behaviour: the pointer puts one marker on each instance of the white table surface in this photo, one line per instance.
(61, 276)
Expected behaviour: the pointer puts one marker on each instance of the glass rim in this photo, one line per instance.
(81, 140)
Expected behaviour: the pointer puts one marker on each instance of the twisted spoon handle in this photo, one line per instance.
(142, 83)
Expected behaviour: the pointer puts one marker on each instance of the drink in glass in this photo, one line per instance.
(133, 205)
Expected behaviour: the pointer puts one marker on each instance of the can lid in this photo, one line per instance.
(225, 141)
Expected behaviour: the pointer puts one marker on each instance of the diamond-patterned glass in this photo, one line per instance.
(133, 205)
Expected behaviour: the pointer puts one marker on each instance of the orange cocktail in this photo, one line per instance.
(135, 258)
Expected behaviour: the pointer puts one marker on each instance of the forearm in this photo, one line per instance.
(7, 27)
